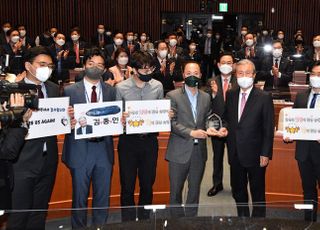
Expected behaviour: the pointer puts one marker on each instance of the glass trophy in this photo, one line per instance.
(214, 121)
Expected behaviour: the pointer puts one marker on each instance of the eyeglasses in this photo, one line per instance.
(247, 74)
(146, 70)
(44, 64)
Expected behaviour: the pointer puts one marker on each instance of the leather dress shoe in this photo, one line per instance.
(214, 190)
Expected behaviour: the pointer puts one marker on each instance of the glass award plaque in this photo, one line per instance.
(214, 121)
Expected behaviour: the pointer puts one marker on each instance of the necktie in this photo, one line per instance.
(76, 49)
(276, 63)
(94, 94)
(225, 87)
(243, 103)
(40, 93)
(248, 52)
(275, 78)
(313, 101)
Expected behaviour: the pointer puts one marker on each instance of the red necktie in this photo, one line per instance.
(225, 87)
(275, 78)
(94, 94)
(276, 64)
(76, 49)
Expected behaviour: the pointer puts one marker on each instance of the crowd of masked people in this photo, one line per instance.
(133, 67)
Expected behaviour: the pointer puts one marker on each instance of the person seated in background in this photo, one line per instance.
(174, 51)
(121, 71)
(240, 40)
(264, 38)
(99, 39)
(130, 43)
(3, 35)
(24, 38)
(192, 52)
(298, 57)
(313, 54)
(166, 70)
(280, 36)
(15, 50)
(145, 44)
(60, 53)
(109, 50)
(76, 48)
(276, 71)
(250, 51)
(45, 38)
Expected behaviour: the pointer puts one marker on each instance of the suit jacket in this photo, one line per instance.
(88, 130)
(74, 152)
(202, 45)
(16, 64)
(251, 136)
(218, 103)
(95, 39)
(165, 78)
(72, 54)
(241, 54)
(286, 69)
(31, 159)
(65, 65)
(304, 148)
(109, 53)
(180, 145)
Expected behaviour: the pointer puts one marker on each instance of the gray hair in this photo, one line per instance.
(246, 62)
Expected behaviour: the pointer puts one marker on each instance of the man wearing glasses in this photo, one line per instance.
(250, 122)
(138, 153)
(35, 167)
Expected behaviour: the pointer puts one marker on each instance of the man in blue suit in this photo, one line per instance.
(90, 159)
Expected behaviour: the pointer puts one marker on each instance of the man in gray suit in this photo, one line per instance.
(89, 159)
(187, 147)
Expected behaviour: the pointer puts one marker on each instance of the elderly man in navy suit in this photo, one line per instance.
(90, 159)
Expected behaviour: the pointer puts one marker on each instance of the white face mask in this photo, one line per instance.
(15, 39)
(43, 73)
(100, 31)
(75, 38)
(249, 42)
(245, 82)
(277, 53)
(123, 60)
(243, 32)
(143, 38)
(225, 69)
(209, 35)
(280, 36)
(118, 41)
(52, 34)
(22, 33)
(60, 42)
(315, 81)
(130, 38)
(172, 42)
(316, 44)
(265, 33)
(108, 33)
(217, 37)
(163, 53)
(5, 29)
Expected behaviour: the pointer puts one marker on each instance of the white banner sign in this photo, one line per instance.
(148, 116)
(98, 119)
(302, 124)
(51, 119)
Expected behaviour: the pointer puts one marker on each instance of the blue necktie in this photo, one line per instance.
(313, 101)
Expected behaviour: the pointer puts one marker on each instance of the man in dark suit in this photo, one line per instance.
(99, 39)
(84, 127)
(219, 87)
(130, 43)
(240, 40)
(276, 71)
(166, 71)
(250, 121)
(90, 159)
(4, 39)
(307, 152)
(35, 168)
(76, 49)
(187, 148)
(207, 49)
(249, 50)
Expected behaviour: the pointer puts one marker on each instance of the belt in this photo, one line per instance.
(96, 139)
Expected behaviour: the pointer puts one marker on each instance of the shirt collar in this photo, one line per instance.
(88, 84)
(189, 93)
(248, 91)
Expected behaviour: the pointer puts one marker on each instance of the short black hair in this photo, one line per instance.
(277, 41)
(33, 52)
(190, 62)
(315, 64)
(226, 54)
(9, 32)
(59, 32)
(107, 75)
(157, 43)
(119, 51)
(171, 34)
(140, 59)
(89, 53)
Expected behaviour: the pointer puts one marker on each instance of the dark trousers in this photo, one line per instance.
(240, 176)
(207, 68)
(310, 176)
(31, 192)
(138, 156)
(218, 145)
(97, 169)
(178, 174)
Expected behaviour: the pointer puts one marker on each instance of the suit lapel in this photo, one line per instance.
(81, 92)
(306, 98)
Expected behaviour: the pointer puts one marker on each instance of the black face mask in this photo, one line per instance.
(192, 81)
(145, 77)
